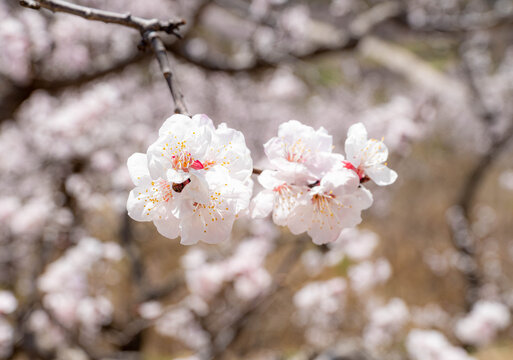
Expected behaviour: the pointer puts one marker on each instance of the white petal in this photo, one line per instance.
(202, 120)
(138, 167)
(375, 152)
(228, 149)
(381, 175)
(275, 149)
(169, 227)
(324, 233)
(355, 142)
(173, 123)
(262, 204)
(300, 217)
(199, 226)
(341, 182)
(270, 179)
(136, 206)
(177, 176)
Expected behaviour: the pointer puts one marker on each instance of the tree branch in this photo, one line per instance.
(159, 49)
(147, 27)
(138, 23)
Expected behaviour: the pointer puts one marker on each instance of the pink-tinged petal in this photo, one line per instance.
(381, 175)
(355, 142)
(202, 120)
(138, 167)
(168, 227)
(262, 204)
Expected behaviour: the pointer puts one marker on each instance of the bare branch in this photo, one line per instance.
(160, 52)
(138, 23)
(147, 27)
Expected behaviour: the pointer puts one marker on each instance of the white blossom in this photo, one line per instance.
(367, 157)
(194, 180)
(325, 209)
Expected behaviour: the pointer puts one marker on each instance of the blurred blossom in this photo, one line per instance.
(9, 205)
(320, 309)
(31, 218)
(66, 288)
(341, 7)
(150, 310)
(8, 302)
(284, 84)
(318, 301)
(369, 274)
(245, 268)
(481, 325)
(431, 344)
(296, 20)
(384, 324)
(485, 220)
(506, 180)
(354, 243)
(49, 335)
(15, 45)
(197, 48)
(180, 323)
(6, 338)
(104, 161)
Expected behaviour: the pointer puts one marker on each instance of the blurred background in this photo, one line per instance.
(426, 276)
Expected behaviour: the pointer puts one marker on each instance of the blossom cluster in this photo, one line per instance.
(431, 344)
(481, 325)
(315, 190)
(65, 285)
(195, 180)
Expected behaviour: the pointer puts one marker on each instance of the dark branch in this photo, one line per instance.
(160, 52)
(138, 23)
(147, 27)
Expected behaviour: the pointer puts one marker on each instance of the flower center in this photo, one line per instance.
(178, 187)
(359, 171)
(296, 152)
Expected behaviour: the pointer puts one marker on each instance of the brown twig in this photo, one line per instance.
(152, 38)
(110, 17)
(147, 27)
